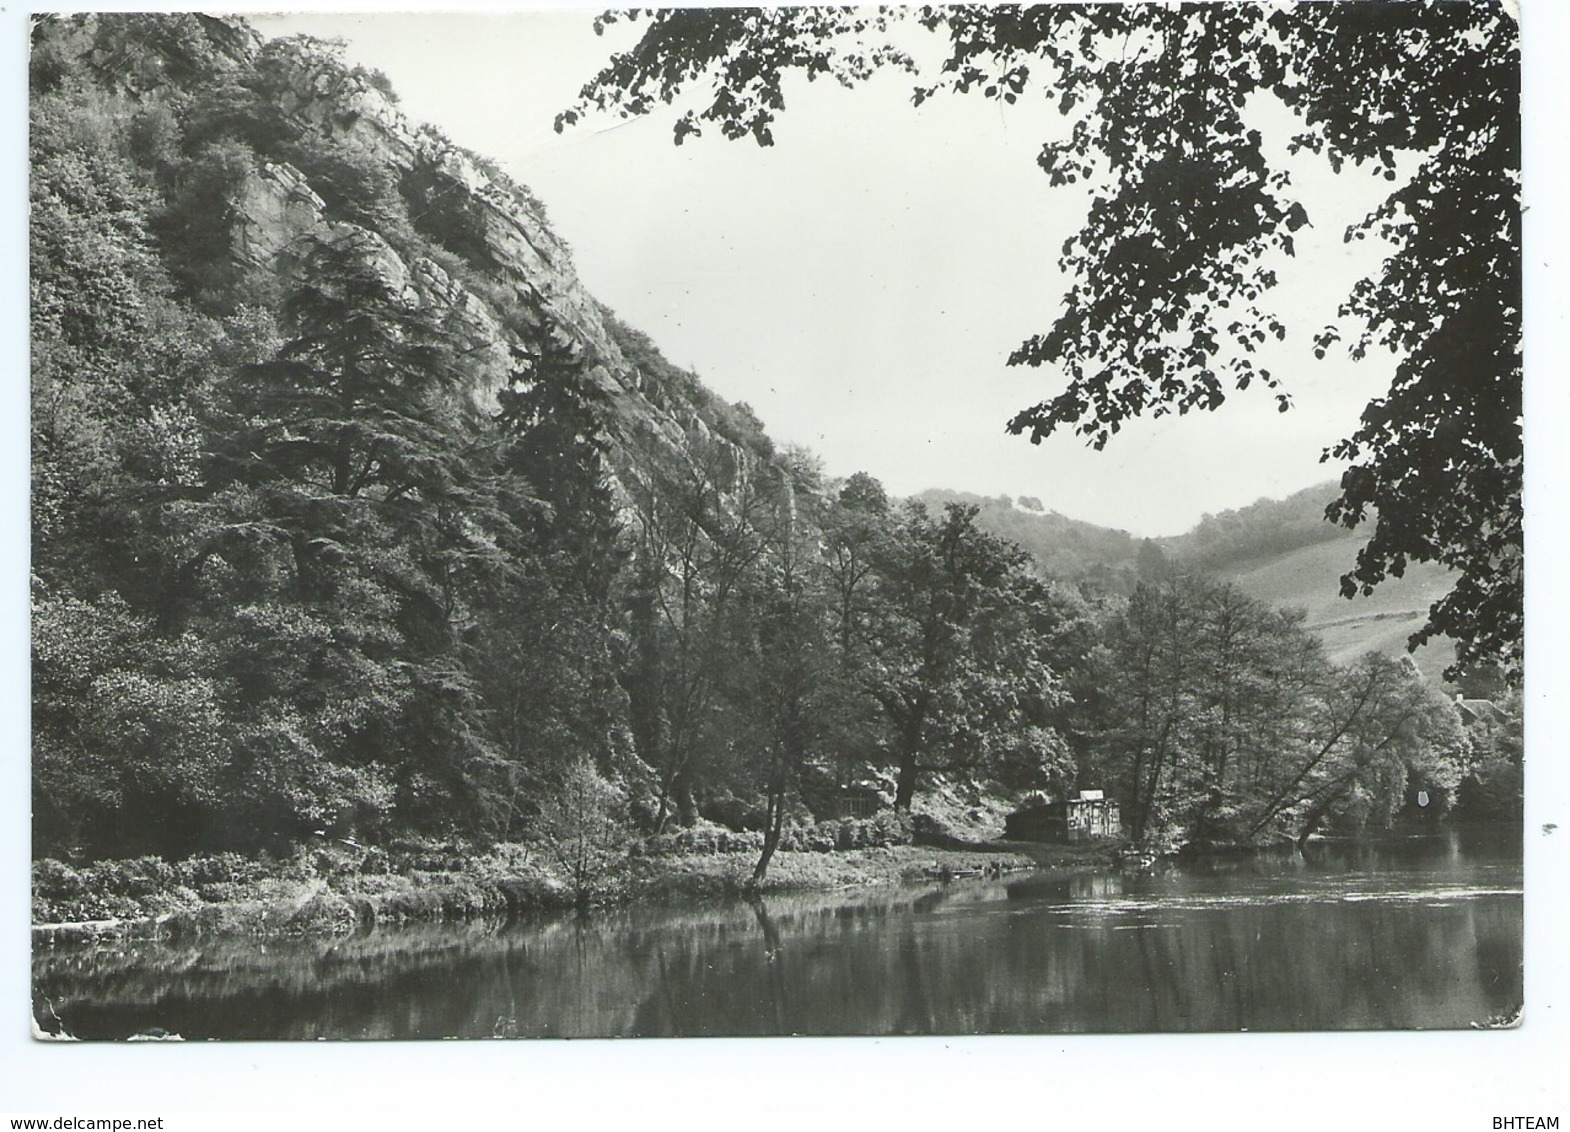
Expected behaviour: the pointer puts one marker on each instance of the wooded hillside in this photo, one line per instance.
(354, 515)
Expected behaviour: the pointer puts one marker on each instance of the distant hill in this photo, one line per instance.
(1063, 547)
(1234, 541)
(1309, 578)
(1281, 551)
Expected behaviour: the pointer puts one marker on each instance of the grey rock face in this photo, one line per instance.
(278, 213)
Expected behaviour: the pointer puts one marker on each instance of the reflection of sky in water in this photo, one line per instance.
(1422, 934)
(1437, 898)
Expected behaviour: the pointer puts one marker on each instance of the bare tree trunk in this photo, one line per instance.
(909, 756)
(686, 804)
(905, 784)
(771, 835)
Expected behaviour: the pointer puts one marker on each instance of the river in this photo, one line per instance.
(1418, 932)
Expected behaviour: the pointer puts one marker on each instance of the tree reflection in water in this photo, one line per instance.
(1422, 933)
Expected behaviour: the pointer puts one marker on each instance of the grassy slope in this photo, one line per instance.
(1308, 578)
(1239, 546)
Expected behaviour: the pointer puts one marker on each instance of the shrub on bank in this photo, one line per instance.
(880, 831)
(883, 829)
(704, 838)
(327, 887)
(324, 886)
(276, 907)
(109, 890)
(221, 868)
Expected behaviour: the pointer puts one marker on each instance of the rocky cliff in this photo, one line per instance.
(461, 237)
(499, 230)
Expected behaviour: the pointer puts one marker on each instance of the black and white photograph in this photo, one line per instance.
(785, 523)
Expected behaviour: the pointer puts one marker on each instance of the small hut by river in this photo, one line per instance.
(1091, 816)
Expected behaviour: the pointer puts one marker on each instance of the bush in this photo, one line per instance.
(820, 838)
(889, 827)
(222, 891)
(56, 888)
(705, 838)
(108, 890)
(321, 913)
(582, 827)
(140, 876)
(220, 868)
(409, 854)
(324, 888)
(883, 829)
(56, 880)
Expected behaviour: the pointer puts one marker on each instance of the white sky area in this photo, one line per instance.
(861, 283)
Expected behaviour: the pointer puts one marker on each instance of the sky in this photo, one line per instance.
(861, 283)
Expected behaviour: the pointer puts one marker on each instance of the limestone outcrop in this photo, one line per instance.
(494, 224)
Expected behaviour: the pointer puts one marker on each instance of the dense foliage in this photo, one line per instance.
(1169, 280)
(1223, 721)
(298, 575)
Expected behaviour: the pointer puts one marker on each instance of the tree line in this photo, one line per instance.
(290, 578)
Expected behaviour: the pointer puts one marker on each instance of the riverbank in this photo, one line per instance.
(336, 889)
(1432, 939)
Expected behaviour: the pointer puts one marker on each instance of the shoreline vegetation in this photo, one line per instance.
(337, 889)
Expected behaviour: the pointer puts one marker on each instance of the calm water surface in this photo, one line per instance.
(1418, 932)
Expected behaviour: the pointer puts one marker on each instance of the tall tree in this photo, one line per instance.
(556, 415)
(697, 535)
(1170, 276)
(785, 682)
(857, 527)
(356, 455)
(549, 647)
(957, 656)
(1377, 728)
(132, 723)
(1222, 720)
(1204, 691)
(1148, 701)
